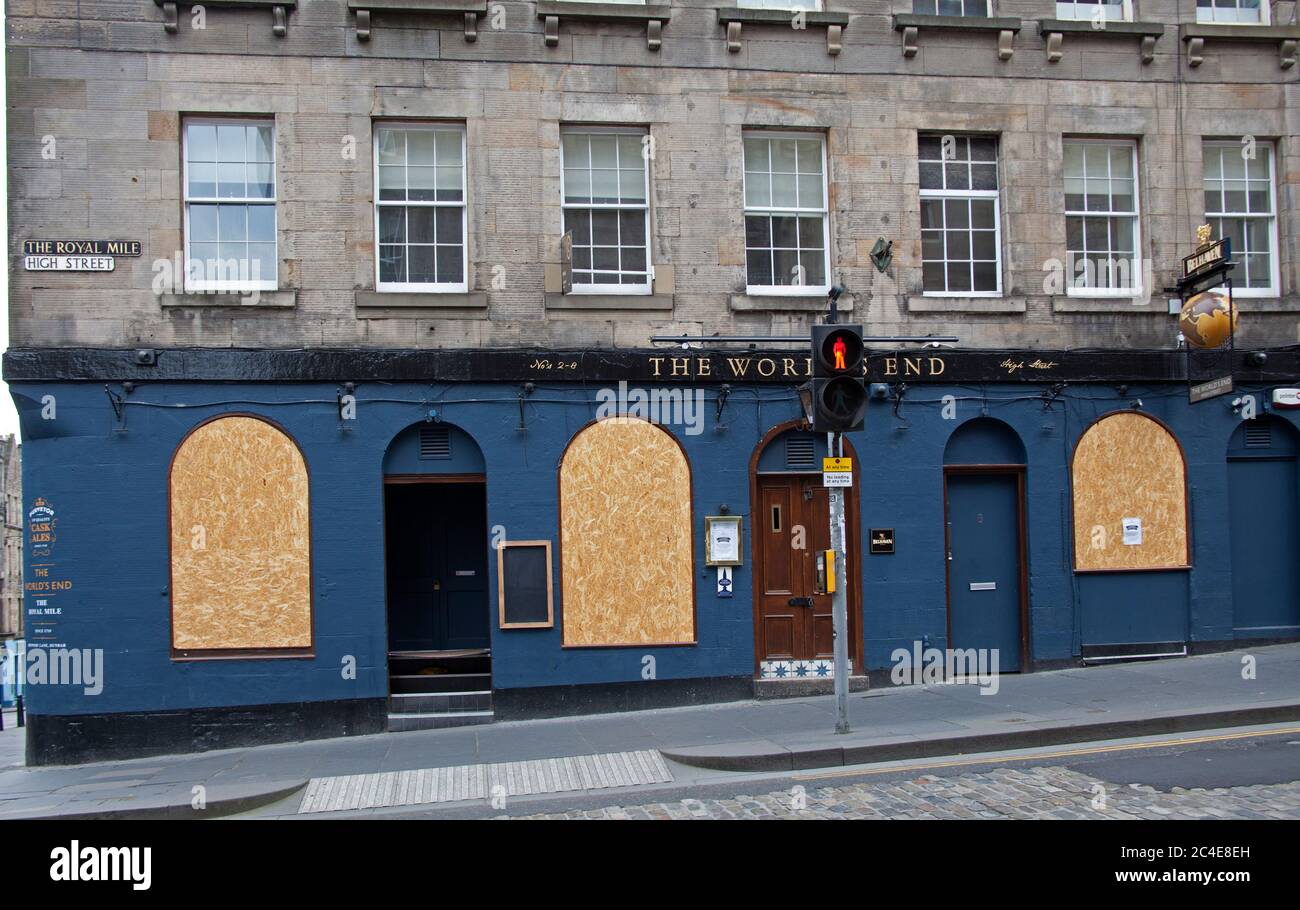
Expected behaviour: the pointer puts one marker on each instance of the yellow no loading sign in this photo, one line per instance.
(837, 472)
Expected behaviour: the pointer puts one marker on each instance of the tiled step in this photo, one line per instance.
(429, 683)
(440, 703)
(398, 723)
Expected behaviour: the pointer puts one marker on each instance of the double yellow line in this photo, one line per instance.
(1065, 753)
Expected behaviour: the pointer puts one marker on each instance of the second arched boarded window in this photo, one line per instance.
(240, 541)
(626, 537)
(1129, 487)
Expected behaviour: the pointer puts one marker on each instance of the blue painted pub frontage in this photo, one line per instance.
(253, 541)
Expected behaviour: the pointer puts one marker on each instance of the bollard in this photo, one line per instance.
(20, 713)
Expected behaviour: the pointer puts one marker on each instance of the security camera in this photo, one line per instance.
(1257, 358)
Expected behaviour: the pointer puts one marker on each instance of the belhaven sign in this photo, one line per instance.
(1207, 259)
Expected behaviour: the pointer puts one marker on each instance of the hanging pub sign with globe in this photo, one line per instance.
(1208, 319)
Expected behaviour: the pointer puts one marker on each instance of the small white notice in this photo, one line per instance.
(1132, 531)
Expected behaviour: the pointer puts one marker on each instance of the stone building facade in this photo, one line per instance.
(459, 228)
(11, 594)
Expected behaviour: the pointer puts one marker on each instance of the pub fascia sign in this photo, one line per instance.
(77, 255)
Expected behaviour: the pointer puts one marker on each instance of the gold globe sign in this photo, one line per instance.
(1207, 320)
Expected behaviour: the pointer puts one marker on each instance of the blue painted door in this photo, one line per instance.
(1265, 544)
(984, 564)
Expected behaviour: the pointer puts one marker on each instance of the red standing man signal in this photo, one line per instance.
(838, 349)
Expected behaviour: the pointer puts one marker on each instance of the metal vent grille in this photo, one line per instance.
(799, 453)
(1259, 434)
(435, 442)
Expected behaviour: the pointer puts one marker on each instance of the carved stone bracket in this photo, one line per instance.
(1195, 51)
(1286, 53)
(733, 37)
(551, 24)
(911, 41)
(363, 25)
(1054, 42)
(1148, 51)
(834, 39)
(279, 11)
(1005, 38)
(654, 34)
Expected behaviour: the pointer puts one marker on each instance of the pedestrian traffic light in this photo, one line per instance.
(839, 379)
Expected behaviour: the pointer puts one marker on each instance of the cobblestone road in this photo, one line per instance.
(1040, 792)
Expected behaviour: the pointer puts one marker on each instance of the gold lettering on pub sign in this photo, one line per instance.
(913, 365)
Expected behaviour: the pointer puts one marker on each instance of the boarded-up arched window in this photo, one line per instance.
(240, 541)
(1130, 496)
(625, 537)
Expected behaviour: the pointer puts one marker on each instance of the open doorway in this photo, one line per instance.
(439, 638)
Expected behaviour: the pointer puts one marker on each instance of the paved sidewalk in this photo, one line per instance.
(1072, 705)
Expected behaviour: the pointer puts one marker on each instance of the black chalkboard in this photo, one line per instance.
(524, 584)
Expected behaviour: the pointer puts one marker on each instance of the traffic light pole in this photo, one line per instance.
(840, 597)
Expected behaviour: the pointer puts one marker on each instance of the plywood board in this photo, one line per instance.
(625, 537)
(240, 539)
(1127, 465)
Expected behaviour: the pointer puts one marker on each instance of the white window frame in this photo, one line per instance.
(1275, 270)
(1139, 261)
(603, 289)
(991, 6)
(1075, 11)
(202, 286)
(789, 290)
(1265, 15)
(423, 287)
(792, 6)
(995, 195)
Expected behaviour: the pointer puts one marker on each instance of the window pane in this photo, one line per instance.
(1073, 152)
(931, 175)
(580, 224)
(201, 142)
(984, 176)
(811, 234)
(959, 276)
(983, 148)
(932, 276)
(261, 262)
(604, 186)
(810, 156)
(604, 151)
(420, 265)
(632, 258)
(758, 267)
(984, 245)
(392, 224)
(449, 222)
(957, 213)
(1121, 161)
(814, 266)
(756, 154)
(957, 176)
(449, 184)
(785, 231)
(604, 257)
(420, 185)
(1259, 237)
(810, 191)
(392, 183)
(260, 144)
(783, 155)
(758, 190)
(575, 151)
(419, 149)
(577, 185)
(632, 228)
(931, 213)
(261, 181)
(392, 264)
(931, 245)
(758, 231)
(786, 271)
(203, 180)
(231, 142)
(392, 146)
(631, 151)
(958, 244)
(232, 221)
(230, 180)
(982, 213)
(451, 266)
(448, 147)
(203, 223)
(986, 276)
(419, 224)
(631, 186)
(604, 228)
(784, 192)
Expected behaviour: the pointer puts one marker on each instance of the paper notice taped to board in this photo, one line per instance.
(1132, 531)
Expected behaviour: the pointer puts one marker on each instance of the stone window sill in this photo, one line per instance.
(280, 10)
(661, 302)
(472, 10)
(733, 18)
(394, 300)
(917, 303)
(1055, 30)
(1081, 303)
(911, 24)
(552, 11)
(1193, 34)
(261, 300)
(783, 303)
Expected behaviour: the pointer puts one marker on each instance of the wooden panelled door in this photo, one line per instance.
(794, 623)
